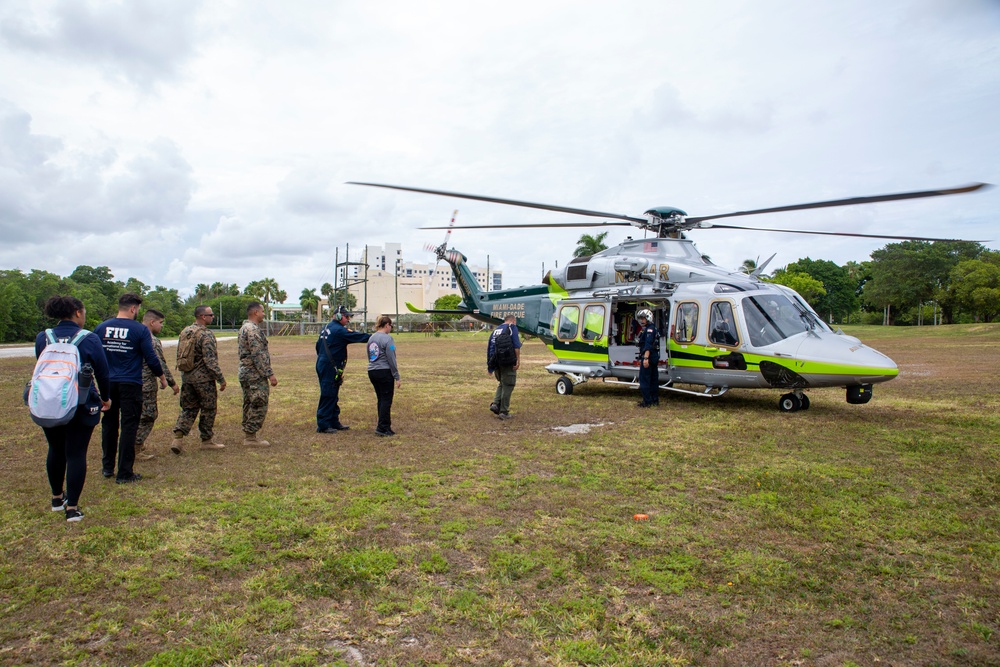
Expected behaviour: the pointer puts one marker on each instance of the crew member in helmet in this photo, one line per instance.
(331, 358)
(648, 342)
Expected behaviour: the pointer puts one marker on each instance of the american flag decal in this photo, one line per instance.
(649, 246)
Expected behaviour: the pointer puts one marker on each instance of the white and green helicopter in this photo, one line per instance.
(721, 329)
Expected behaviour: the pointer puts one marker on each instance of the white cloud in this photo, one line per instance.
(221, 134)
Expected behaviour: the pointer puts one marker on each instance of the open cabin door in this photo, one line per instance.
(622, 351)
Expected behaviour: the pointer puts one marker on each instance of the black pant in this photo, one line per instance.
(126, 401)
(68, 458)
(384, 385)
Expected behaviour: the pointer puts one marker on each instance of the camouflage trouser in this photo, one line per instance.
(197, 396)
(255, 396)
(147, 418)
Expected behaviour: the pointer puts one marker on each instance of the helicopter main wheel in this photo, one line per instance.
(789, 403)
(564, 386)
(805, 402)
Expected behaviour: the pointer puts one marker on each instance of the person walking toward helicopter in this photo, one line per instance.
(503, 358)
(648, 342)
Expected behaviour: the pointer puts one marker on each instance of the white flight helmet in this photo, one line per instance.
(644, 314)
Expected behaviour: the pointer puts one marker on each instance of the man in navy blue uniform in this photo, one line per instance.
(331, 358)
(126, 343)
(648, 342)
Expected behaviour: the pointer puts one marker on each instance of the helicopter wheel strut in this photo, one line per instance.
(564, 386)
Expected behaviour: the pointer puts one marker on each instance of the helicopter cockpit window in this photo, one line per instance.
(773, 317)
(686, 322)
(721, 324)
(569, 322)
(593, 322)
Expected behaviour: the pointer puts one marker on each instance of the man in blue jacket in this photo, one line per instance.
(126, 343)
(331, 358)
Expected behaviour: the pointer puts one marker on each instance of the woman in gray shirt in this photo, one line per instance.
(382, 372)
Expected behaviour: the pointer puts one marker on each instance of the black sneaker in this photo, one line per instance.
(131, 479)
(108, 474)
(59, 504)
(494, 408)
(385, 434)
(327, 430)
(72, 516)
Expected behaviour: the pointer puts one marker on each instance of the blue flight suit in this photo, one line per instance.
(331, 357)
(649, 378)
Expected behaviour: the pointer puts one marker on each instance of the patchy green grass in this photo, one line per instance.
(843, 535)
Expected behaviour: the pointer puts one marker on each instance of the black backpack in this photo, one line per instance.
(503, 347)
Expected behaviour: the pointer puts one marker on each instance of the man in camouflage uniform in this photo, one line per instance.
(153, 319)
(255, 374)
(198, 385)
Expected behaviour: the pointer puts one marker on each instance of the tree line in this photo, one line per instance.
(23, 294)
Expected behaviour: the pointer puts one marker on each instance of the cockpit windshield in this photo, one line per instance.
(774, 317)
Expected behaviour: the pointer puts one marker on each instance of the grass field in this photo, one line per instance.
(842, 535)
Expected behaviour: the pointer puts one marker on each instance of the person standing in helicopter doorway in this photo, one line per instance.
(503, 358)
(648, 342)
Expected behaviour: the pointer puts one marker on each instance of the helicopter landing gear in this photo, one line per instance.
(564, 386)
(793, 402)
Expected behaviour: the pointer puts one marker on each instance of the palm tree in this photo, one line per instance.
(748, 266)
(201, 291)
(309, 301)
(590, 245)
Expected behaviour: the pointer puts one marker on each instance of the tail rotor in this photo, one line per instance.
(441, 251)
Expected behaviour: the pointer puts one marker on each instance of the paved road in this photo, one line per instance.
(29, 350)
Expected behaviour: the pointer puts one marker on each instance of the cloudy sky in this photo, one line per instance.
(193, 141)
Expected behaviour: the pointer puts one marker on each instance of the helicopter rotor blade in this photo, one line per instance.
(852, 201)
(509, 202)
(541, 224)
(864, 236)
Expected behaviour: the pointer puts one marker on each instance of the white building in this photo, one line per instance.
(418, 283)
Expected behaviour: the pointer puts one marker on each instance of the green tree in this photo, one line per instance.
(589, 245)
(137, 286)
(309, 301)
(907, 274)
(840, 298)
(808, 287)
(101, 279)
(446, 302)
(975, 288)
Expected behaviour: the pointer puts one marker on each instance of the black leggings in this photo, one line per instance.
(382, 381)
(68, 458)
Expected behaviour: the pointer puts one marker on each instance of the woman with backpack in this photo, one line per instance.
(382, 372)
(67, 457)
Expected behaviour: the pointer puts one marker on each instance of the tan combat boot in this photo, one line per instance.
(211, 444)
(177, 444)
(251, 440)
(143, 453)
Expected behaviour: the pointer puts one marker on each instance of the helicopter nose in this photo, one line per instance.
(837, 359)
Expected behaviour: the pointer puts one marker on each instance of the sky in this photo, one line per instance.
(195, 141)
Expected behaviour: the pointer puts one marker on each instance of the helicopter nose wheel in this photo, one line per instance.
(564, 386)
(793, 402)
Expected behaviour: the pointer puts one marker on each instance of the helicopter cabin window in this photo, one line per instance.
(686, 322)
(721, 324)
(593, 322)
(569, 322)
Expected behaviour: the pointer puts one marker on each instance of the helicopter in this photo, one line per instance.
(722, 329)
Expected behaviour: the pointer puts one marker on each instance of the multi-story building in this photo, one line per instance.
(414, 282)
